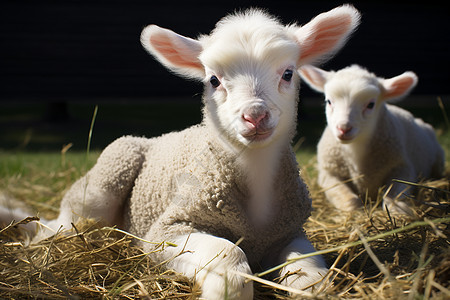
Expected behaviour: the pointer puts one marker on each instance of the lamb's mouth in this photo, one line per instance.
(257, 135)
(345, 138)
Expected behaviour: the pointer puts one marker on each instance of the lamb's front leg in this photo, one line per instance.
(212, 262)
(338, 193)
(304, 272)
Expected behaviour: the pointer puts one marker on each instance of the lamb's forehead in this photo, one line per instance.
(352, 81)
(250, 35)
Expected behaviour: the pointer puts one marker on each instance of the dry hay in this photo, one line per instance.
(89, 262)
(405, 258)
(372, 255)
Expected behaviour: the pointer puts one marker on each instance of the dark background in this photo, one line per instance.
(65, 50)
(60, 58)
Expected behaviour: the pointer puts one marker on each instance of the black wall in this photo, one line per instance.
(67, 50)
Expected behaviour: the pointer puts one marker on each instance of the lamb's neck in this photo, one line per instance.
(261, 166)
(359, 149)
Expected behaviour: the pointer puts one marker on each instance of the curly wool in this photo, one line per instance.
(186, 182)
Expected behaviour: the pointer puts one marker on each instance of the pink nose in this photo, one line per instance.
(255, 119)
(344, 129)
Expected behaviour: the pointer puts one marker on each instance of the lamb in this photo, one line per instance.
(231, 178)
(368, 142)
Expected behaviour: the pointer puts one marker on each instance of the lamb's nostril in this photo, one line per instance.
(255, 119)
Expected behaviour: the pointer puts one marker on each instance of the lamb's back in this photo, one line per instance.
(419, 143)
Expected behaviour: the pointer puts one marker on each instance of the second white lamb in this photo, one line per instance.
(369, 142)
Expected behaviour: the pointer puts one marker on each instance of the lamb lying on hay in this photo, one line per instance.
(224, 195)
(97, 262)
(368, 142)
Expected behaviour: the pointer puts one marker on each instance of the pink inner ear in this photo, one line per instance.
(329, 33)
(399, 87)
(314, 77)
(171, 52)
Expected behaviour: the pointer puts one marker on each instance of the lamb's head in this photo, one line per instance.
(249, 65)
(355, 97)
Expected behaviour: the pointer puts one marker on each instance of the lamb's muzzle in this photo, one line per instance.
(345, 132)
(257, 121)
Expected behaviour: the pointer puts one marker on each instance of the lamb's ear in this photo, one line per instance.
(314, 77)
(324, 35)
(398, 86)
(178, 53)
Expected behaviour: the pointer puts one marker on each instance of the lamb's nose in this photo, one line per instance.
(344, 129)
(255, 119)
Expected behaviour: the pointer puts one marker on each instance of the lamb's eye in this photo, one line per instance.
(215, 82)
(328, 101)
(371, 105)
(287, 75)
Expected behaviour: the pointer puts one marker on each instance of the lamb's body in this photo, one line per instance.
(232, 178)
(401, 146)
(184, 183)
(204, 189)
(367, 142)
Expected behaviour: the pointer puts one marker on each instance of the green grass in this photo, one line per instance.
(40, 179)
(31, 164)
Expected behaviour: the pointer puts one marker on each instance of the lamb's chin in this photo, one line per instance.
(256, 141)
(345, 140)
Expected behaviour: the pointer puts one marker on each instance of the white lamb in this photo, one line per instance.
(232, 177)
(368, 142)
